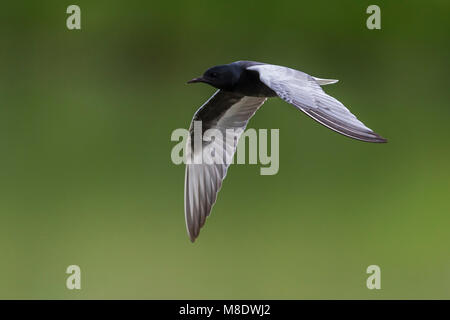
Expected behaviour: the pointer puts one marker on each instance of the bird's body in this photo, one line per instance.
(249, 83)
(243, 87)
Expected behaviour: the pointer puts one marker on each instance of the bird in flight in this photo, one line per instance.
(243, 87)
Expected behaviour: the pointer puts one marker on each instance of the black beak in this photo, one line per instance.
(199, 79)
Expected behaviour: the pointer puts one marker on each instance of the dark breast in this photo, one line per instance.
(249, 83)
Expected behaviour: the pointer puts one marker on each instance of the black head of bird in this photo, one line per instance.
(223, 77)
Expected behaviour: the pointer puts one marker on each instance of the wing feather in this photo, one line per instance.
(224, 110)
(304, 92)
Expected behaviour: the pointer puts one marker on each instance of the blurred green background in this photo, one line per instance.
(86, 176)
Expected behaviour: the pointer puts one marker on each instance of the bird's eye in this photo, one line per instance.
(214, 74)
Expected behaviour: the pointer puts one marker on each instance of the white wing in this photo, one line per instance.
(223, 111)
(304, 92)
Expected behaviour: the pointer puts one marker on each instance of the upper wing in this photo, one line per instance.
(304, 92)
(225, 112)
